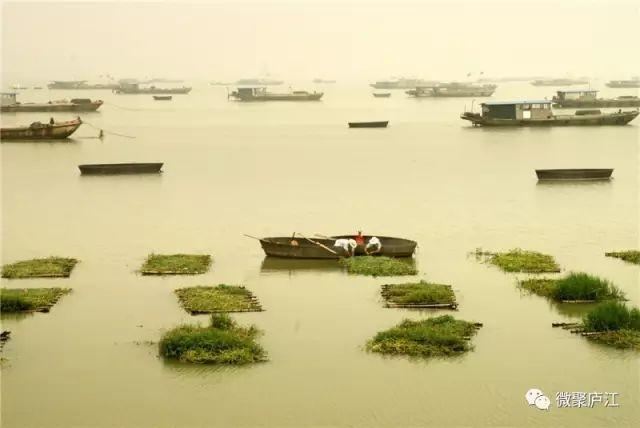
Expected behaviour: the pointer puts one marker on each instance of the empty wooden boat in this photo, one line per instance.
(382, 94)
(380, 124)
(120, 168)
(574, 174)
(41, 131)
(162, 97)
(322, 248)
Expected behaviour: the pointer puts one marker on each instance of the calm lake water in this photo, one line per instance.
(270, 169)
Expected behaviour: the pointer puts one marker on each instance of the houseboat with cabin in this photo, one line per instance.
(539, 113)
(261, 94)
(580, 98)
(9, 104)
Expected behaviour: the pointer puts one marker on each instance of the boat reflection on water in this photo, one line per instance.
(281, 264)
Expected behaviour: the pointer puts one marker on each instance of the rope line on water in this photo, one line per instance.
(105, 131)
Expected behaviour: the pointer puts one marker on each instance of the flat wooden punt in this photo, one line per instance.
(380, 124)
(162, 97)
(382, 95)
(120, 168)
(574, 174)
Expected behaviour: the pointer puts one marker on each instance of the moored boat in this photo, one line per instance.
(402, 83)
(11, 105)
(560, 82)
(80, 84)
(259, 82)
(633, 83)
(162, 97)
(261, 94)
(420, 92)
(574, 174)
(297, 247)
(589, 98)
(41, 131)
(120, 168)
(539, 113)
(382, 94)
(456, 89)
(135, 88)
(378, 124)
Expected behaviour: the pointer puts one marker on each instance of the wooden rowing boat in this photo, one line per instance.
(162, 97)
(380, 124)
(574, 174)
(120, 168)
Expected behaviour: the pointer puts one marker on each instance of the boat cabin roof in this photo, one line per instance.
(503, 103)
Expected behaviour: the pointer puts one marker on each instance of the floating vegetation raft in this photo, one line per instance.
(176, 264)
(611, 323)
(50, 267)
(223, 298)
(419, 295)
(434, 337)
(223, 342)
(30, 299)
(573, 288)
(379, 266)
(631, 256)
(518, 260)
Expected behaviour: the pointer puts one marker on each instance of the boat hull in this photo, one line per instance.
(622, 118)
(574, 174)
(282, 97)
(162, 97)
(41, 131)
(120, 168)
(51, 107)
(381, 124)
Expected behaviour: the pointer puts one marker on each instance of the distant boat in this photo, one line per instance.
(574, 174)
(162, 97)
(633, 83)
(382, 94)
(402, 83)
(318, 80)
(37, 87)
(539, 113)
(134, 88)
(11, 105)
(261, 94)
(456, 89)
(18, 86)
(120, 168)
(582, 98)
(259, 82)
(560, 82)
(80, 84)
(380, 124)
(41, 131)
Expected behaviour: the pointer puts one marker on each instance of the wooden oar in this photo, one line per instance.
(319, 244)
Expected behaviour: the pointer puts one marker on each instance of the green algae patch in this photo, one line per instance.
(50, 267)
(222, 342)
(610, 323)
(518, 260)
(630, 256)
(30, 299)
(379, 266)
(176, 264)
(419, 295)
(576, 287)
(222, 298)
(442, 336)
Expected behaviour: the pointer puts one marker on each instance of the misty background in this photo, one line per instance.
(356, 41)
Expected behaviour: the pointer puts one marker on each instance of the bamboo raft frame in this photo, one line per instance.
(388, 304)
(250, 299)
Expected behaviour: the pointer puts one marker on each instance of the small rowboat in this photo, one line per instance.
(162, 97)
(382, 94)
(120, 168)
(381, 124)
(316, 248)
(574, 174)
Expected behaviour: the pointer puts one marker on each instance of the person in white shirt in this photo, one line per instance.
(373, 246)
(345, 246)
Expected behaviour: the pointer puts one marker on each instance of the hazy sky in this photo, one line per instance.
(298, 40)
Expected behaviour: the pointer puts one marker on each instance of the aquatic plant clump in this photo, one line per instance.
(631, 256)
(434, 337)
(518, 260)
(613, 324)
(222, 342)
(50, 267)
(30, 299)
(575, 287)
(419, 294)
(222, 298)
(176, 264)
(378, 266)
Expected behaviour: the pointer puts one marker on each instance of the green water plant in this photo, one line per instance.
(221, 298)
(574, 287)
(50, 267)
(518, 260)
(631, 256)
(30, 299)
(441, 336)
(221, 342)
(419, 294)
(379, 266)
(176, 264)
